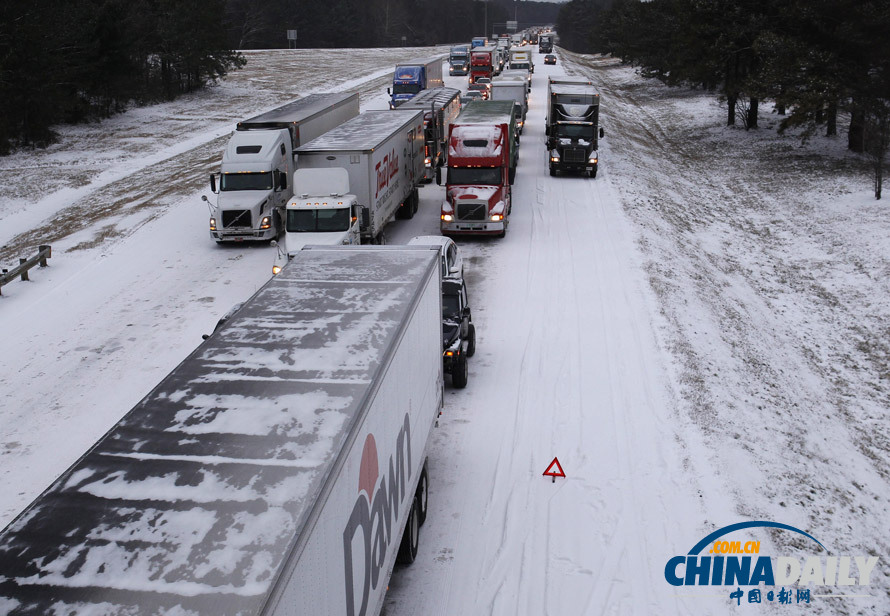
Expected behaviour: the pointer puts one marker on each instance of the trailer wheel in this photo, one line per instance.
(460, 373)
(411, 537)
(423, 495)
(471, 340)
(415, 202)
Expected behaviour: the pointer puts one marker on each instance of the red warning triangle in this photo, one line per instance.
(555, 469)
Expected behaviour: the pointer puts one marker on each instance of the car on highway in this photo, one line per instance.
(483, 88)
(472, 95)
(452, 262)
(458, 331)
(549, 59)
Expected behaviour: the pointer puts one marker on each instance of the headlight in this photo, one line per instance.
(592, 160)
(276, 269)
(427, 161)
(266, 223)
(447, 217)
(554, 159)
(213, 224)
(496, 217)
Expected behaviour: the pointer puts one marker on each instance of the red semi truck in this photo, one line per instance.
(483, 149)
(482, 60)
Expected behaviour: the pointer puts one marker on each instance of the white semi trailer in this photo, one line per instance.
(278, 470)
(383, 155)
(253, 185)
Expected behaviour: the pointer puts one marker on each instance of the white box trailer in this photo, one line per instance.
(271, 473)
(382, 151)
(510, 89)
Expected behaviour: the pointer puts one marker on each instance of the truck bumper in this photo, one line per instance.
(470, 227)
(244, 235)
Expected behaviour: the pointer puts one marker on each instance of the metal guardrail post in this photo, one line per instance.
(45, 252)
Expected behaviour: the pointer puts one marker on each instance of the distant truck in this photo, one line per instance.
(545, 43)
(522, 58)
(459, 60)
(483, 150)
(512, 89)
(280, 469)
(253, 185)
(440, 108)
(382, 154)
(478, 41)
(409, 78)
(572, 126)
(482, 62)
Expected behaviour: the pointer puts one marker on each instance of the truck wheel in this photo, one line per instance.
(422, 495)
(415, 200)
(459, 372)
(593, 172)
(410, 538)
(552, 172)
(471, 340)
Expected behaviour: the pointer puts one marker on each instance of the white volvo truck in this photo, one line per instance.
(280, 469)
(253, 185)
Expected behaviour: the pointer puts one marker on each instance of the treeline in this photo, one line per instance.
(262, 24)
(812, 58)
(65, 62)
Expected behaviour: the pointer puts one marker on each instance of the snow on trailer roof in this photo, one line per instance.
(486, 112)
(302, 109)
(365, 132)
(573, 89)
(194, 501)
(423, 99)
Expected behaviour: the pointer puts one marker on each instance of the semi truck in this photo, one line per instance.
(512, 89)
(572, 126)
(279, 469)
(409, 78)
(382, 153)
(482, 62)
(483, 151)
(478, 41)
(440, 108)
(522, 58)
(253, 185)
(545, 43)
(459, 60)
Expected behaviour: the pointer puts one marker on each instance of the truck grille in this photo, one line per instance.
(574, 155)
(236, 218)
(471, 211)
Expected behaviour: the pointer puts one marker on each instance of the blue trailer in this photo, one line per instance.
(411, 77)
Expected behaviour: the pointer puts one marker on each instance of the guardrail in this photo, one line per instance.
(45, 252)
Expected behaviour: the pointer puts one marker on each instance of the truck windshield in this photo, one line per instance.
(246, 181)
(575, 131)
(406, 88)
(475, 175)
(303, 221)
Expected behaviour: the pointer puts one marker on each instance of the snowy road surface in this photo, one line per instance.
(637, 326)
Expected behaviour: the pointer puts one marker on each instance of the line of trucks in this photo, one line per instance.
(281, 468)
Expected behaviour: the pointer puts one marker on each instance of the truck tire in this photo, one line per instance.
(552, 172)
(471, 340)
(422, 495)
(415, 201)
(460, 372)
(593, 172)
(411, 537)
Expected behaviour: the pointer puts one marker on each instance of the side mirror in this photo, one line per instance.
(283, 179)
(213, 182)
(602, 133)
(388, 91)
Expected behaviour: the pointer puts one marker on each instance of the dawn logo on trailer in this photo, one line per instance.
(371, 528)
(386, 171)
(737, 564)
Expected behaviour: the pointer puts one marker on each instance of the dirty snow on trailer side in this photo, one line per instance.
(202, 498)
